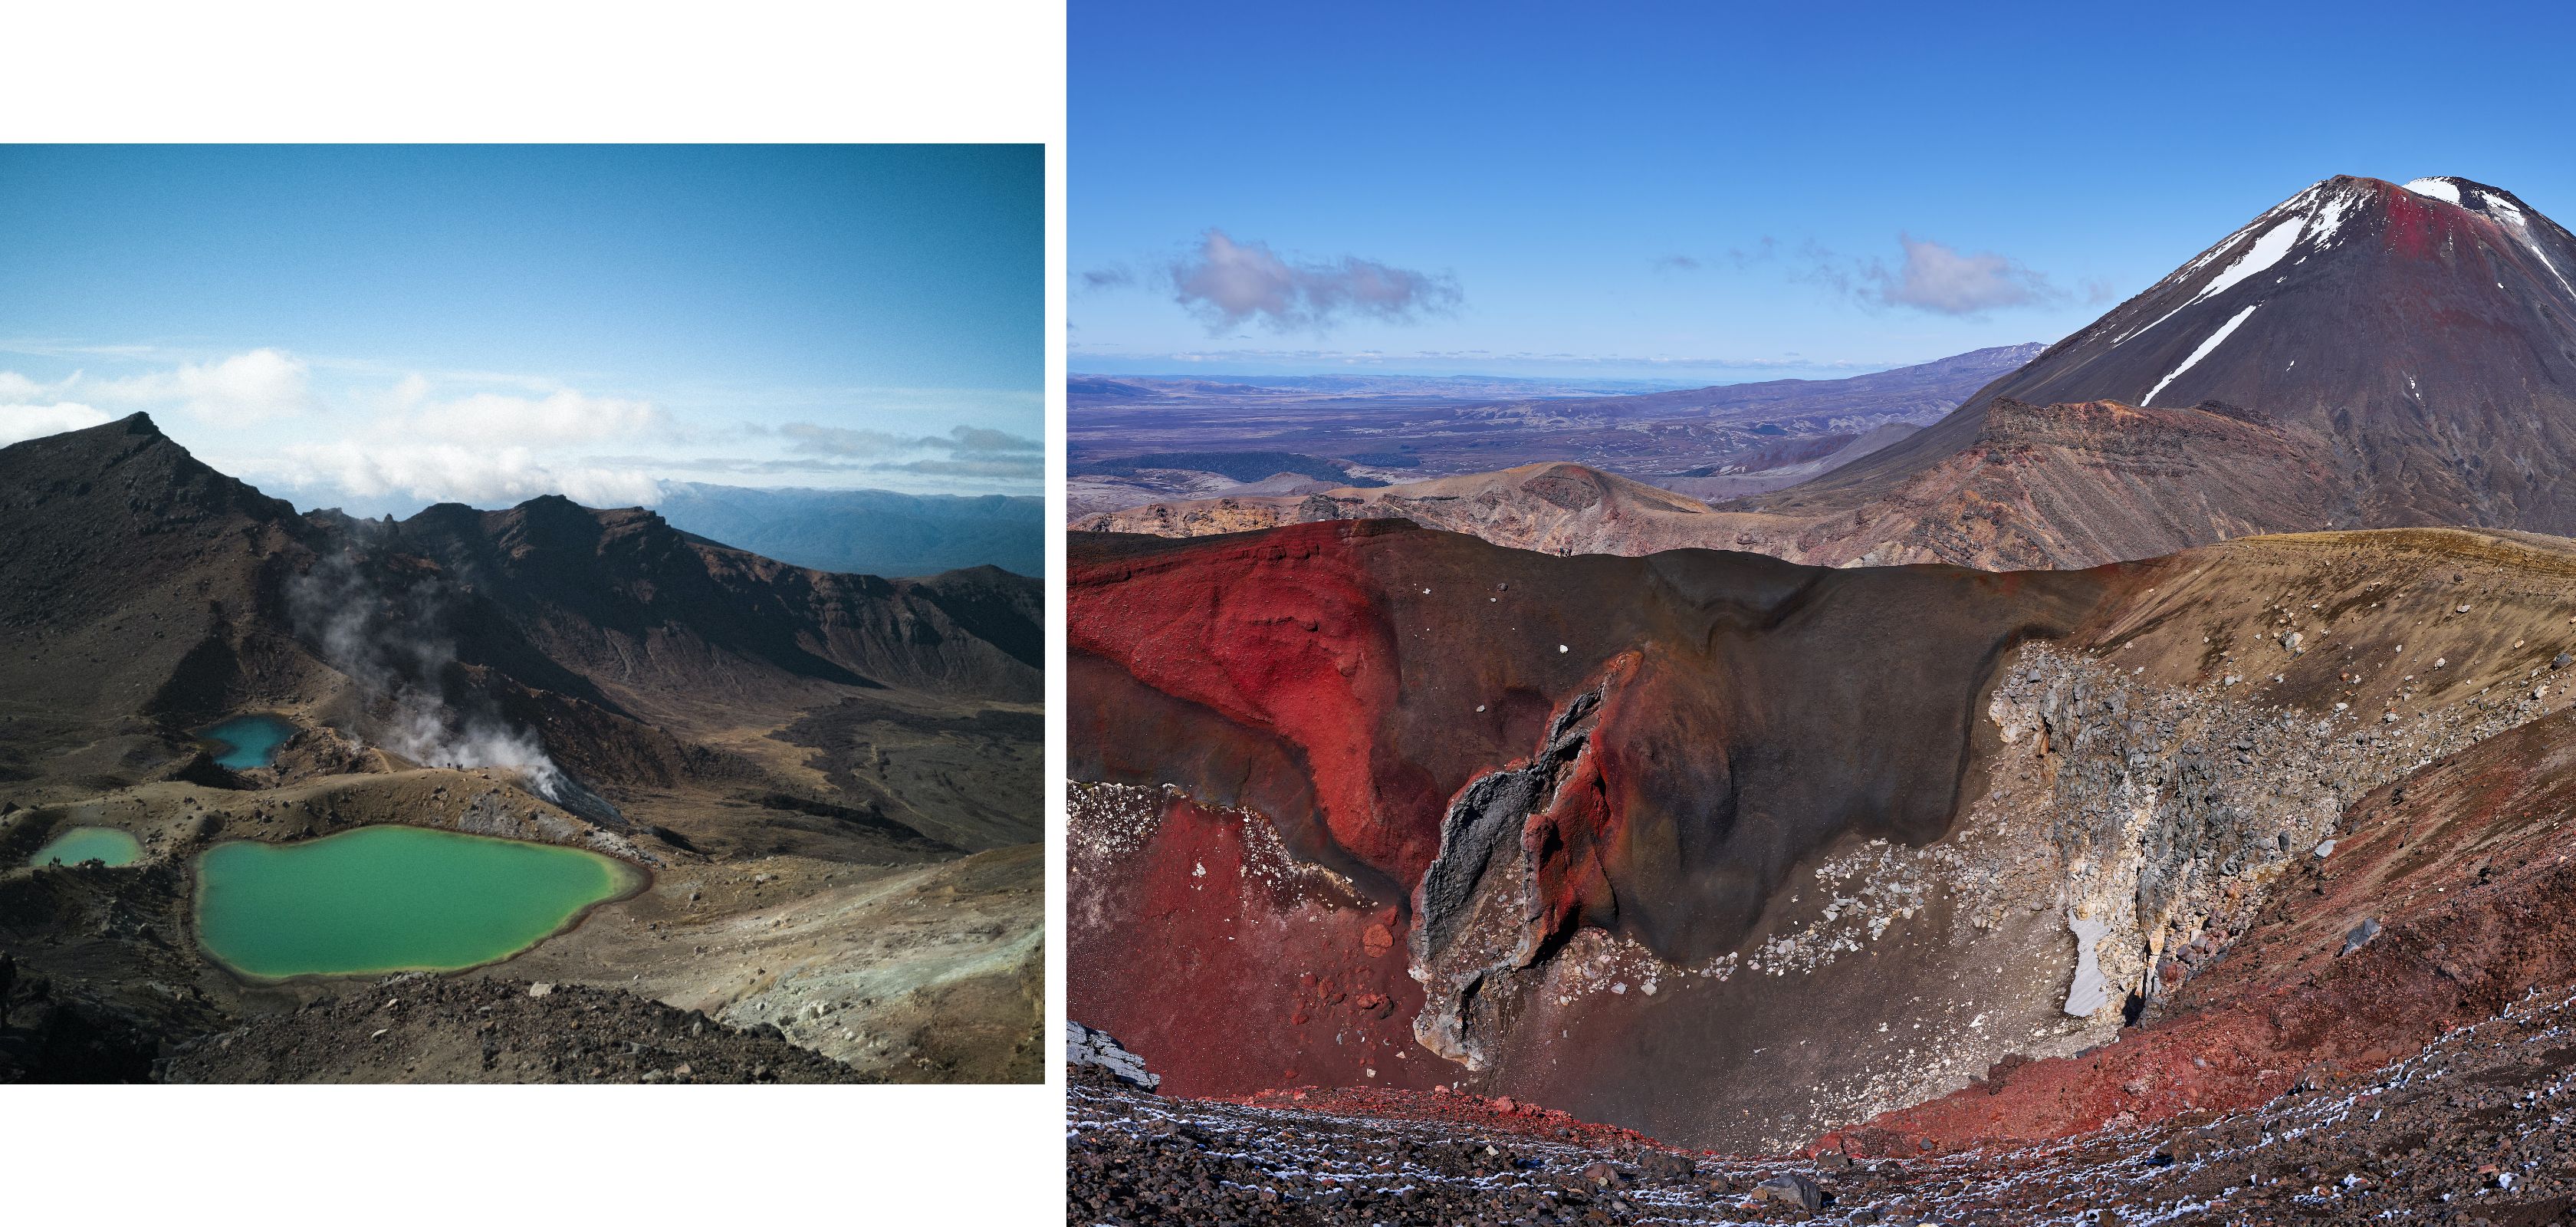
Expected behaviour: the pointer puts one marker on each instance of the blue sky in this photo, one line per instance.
(1705, 193)
(381, 327)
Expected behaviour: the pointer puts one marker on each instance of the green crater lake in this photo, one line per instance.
(88, 844)
(391, 898)
(248, 741)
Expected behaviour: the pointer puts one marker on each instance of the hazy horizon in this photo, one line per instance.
(1608, 381)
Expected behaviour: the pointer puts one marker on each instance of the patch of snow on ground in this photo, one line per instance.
(2200, 353)
(2438, 189)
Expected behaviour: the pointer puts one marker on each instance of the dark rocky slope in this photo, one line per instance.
(149, 592)
(2470, 1130)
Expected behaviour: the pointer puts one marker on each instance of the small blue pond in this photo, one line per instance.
(244, 742)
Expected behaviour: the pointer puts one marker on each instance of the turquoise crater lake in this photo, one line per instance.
(248, 741)
(391, 898)
(81, 844)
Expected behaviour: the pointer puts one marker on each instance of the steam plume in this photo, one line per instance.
(387, 635)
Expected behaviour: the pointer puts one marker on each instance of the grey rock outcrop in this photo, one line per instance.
(1088, 1046)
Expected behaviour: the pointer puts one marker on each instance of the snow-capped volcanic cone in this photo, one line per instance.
(2417, 342)
(2432, 294)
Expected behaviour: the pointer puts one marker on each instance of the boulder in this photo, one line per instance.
(1791, 1189)
(1666, 1165)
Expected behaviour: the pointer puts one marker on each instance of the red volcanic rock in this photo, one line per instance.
(1226, 965)
(1349, 681)
(1390, 666)
(1291, 644)
(1377, 938)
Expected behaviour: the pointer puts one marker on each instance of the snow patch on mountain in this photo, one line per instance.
(2312, 216)
(2266, 252)
(2198, 354)
(2514, 219)
(2330, 216)
(2437, 189)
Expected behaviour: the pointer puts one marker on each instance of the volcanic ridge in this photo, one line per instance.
(826, 784)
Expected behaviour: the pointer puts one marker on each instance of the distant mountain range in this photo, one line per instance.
(862, 532)
(1135, 442)
(1088, 389)
(867, 532)
(1908, 393)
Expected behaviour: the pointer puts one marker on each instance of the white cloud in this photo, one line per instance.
(371, 436)
(484, 448)
(1941, 278)
(563, 416)
(251, 387)
(1226, 283)
(448, 472)
(19, 423)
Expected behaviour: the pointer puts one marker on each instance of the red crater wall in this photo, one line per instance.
(1345, 681)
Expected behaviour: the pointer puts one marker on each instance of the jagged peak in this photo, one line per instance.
(136, 425)
(160, 469)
